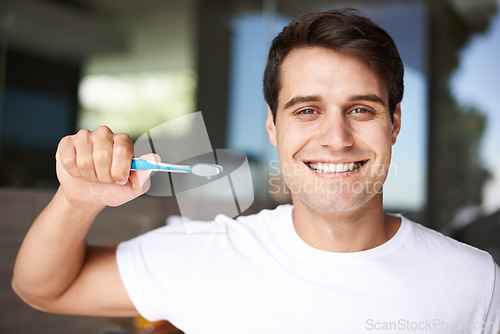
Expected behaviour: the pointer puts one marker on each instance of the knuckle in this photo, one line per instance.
(124, 150)
(67, 160)
(85, 162)
(102, 156)
(82, 133)
(65, 151)
(123, 138)
(103, 130)
(65, 143)
(120, 149)
(82, 136)
(65, 140)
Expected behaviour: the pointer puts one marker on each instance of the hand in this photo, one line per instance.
(94, 169)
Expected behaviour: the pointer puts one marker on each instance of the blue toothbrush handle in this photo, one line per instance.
(199, 169)
(141, 164)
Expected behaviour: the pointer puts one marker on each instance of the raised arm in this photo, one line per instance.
(55, 271)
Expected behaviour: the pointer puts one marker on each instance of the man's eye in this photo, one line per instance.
(307, 112)
(360, 111)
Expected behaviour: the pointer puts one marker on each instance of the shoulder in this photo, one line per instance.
(260, 226)
(455, 268)
(449, 252)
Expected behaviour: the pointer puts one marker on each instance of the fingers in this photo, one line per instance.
(123, 152)
(102, 156)
(99, 156)
(66, 155)
(84, 155)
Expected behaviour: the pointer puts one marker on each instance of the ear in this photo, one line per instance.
(271, 127)
(396, 123)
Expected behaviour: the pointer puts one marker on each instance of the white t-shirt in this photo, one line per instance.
(256, 275)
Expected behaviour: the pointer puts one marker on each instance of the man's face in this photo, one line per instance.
(333, 130)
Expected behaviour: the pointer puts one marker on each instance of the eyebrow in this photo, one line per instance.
(301, 99)
(369, 97)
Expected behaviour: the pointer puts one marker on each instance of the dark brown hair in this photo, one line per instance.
(346, 31)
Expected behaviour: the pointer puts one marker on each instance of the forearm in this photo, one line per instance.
(53, 251)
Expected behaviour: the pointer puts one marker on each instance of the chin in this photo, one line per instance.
(332, 206)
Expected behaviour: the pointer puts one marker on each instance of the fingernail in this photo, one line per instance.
(122, 182)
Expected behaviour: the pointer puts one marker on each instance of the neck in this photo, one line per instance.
(353, 231)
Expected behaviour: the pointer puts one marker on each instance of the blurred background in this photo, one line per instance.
(132, 65)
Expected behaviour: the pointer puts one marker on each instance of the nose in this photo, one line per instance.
(335, 131)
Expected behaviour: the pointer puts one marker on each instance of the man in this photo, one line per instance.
(331, 263)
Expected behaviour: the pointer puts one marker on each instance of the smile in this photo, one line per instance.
(323, 167)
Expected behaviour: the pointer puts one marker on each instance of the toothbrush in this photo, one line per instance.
(200, 169)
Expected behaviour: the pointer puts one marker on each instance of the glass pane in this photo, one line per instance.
(475, 84)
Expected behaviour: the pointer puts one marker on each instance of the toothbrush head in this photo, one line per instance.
(206, 170)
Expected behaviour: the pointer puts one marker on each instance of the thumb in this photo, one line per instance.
(143, 179)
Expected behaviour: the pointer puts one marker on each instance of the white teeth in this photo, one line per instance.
(334, 168)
